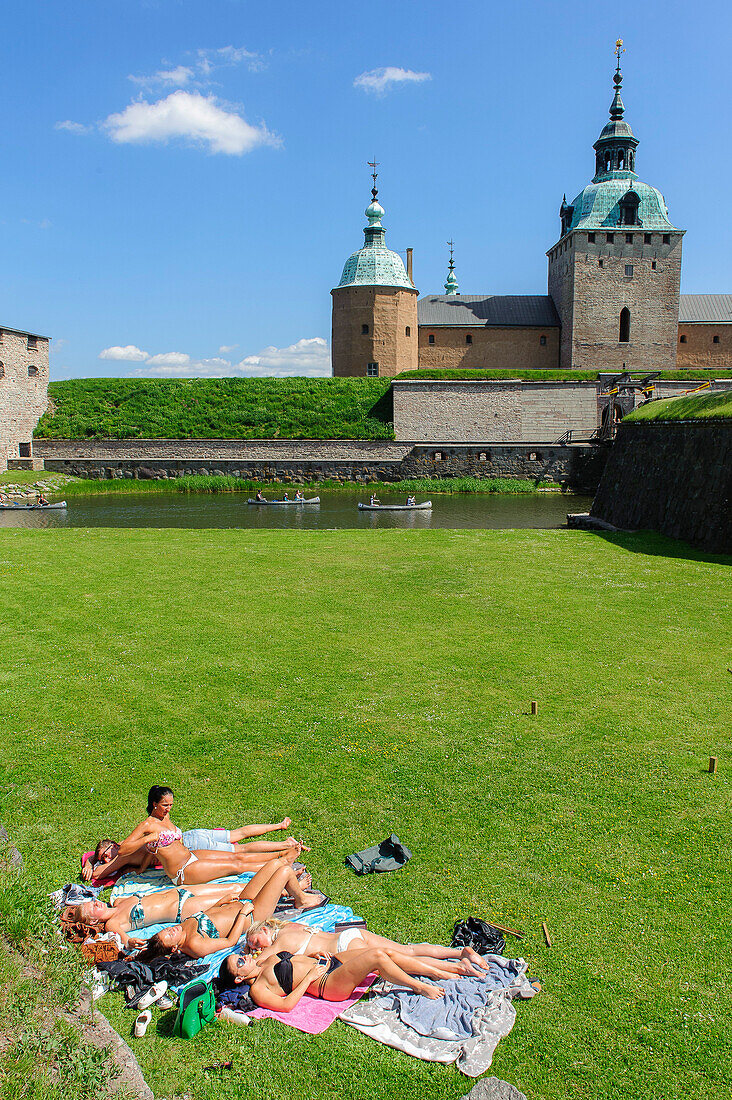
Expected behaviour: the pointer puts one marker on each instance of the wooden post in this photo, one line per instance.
(534, 706)
(546, 933)
(712, 765)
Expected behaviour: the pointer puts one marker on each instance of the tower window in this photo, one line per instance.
(24, 450)
(629, 270)
(468, 338)
(653, 265)
(32, 371)
(542, 341)
(430, 339)
(715, 339)
(601, 263)
(647, 238)
(591, 238)
(682, 339)
(610, 238)
(624, 325)
(372, 370)
(628, 238)
(364, 330)
(32, 343)
(407, 331)
(667, 238)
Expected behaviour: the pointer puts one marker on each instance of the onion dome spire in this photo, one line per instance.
(374, 264)
(451, 286)
(617, 107)
(616, 145)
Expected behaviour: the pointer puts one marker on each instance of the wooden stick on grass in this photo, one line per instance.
(503, 928)
(546, 933)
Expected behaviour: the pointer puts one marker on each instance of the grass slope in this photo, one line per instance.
(707, 406)
(223, 408)
(365, 682)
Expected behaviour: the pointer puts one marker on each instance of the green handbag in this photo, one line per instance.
(196, 1008)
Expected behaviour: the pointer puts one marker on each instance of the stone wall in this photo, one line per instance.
(590, 286)
(697, 347)
(673, 477)
(577, 466)
(23, 392)
(389, 315)
(491, 348)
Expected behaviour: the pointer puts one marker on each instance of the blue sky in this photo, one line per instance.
(185, 179)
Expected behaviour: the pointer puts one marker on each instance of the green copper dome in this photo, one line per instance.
(601, 205)
(374, 264)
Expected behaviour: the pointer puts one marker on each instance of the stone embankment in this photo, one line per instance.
(300, 461)
(674, 477)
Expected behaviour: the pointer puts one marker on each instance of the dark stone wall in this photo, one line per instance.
(675, 478)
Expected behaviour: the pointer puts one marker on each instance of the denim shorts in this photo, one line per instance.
(216, 840)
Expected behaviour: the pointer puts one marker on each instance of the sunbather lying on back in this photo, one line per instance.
(271, 935)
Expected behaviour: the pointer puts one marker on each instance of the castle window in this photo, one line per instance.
(2, 370)
(364, 330)
(715, 339)
(372, 370)
(629, 270)
(542, 341)
(591, 238)
(628, 238)
(653, 264)
(32, 343)
(482, 457)
(647, 238)
(438, 456)
(407, 331)
(468, 338)
(32, 371)
(610, 238)
(624, 325)
(430, 339)
(24, 450)
(600, 263)
(682, 339)
(667, 238)
(629, 208)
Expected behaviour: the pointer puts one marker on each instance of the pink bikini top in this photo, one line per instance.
(164, 838)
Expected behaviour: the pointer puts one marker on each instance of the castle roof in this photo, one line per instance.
(486, 310)
(709, 308)
(375, 264)
(600, 205)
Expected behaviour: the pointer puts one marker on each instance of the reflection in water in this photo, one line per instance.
(336, 510)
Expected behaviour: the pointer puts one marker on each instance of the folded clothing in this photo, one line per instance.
(389, 855)
(176, 970)
(74, 893)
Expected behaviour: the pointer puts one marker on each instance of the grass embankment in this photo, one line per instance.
(708, 406)
(365, 682)
(225, 484)
(476, 374)
(222, 408)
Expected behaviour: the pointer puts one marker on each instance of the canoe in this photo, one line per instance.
(31, 507)
(424, 507)
(312, 500)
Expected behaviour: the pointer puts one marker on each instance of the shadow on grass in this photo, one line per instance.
(654, 544)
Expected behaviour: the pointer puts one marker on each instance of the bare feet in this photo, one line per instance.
(285, 823)
(474, 957)
(434, 992)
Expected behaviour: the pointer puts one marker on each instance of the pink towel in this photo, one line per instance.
(313, 1015)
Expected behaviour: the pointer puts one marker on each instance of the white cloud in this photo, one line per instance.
(227, 348)
(169, 359)
(129, 353)
(177, 365)
(179, 76)
(189, 115)
(379, 81)
(73, 127)
(208, 60)
(309, 357)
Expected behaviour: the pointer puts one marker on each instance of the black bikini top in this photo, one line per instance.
(283, 971)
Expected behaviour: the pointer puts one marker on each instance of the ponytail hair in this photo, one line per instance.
(154, 795)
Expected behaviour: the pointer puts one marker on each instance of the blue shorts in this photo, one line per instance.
(208, 840)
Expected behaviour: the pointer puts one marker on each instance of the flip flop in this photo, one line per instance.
(142, 1023)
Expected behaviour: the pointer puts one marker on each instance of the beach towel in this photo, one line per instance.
(311, 1015)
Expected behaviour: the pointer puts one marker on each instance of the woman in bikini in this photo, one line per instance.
(269, 936)
(281, 981)
(223, 924)
(163, 841)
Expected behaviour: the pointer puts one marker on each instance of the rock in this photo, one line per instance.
(492, 1088)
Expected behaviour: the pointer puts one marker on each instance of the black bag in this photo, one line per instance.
(390, 855)
(478, 934)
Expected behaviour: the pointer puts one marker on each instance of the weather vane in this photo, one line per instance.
(451, 245)
(374, 164)
(619, 49)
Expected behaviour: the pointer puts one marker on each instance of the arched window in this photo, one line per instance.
(621, 160)
(32, 371)
(407, 331)
(364, 330)
(624, 325)
(629, 208)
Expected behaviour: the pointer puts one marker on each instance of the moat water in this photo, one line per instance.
(336, 510)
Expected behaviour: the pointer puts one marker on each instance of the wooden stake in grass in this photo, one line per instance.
(712, 765)
(546, 933)
(534, 706)
(504, 928)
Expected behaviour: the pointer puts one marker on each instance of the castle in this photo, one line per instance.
(614, 300)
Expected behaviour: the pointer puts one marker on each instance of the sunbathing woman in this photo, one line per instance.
(281, 982)
(222, 925)
(271, 935)
(163, 842)
(103, 865)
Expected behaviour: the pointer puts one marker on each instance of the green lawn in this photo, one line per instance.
(369, 682)
(703, 406)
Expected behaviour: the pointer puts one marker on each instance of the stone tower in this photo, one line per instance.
(615, 273)
(374, 308)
